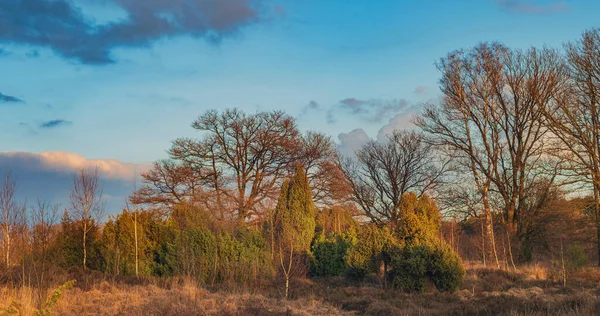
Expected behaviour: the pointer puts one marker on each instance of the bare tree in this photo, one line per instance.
(86, 203)
(9, 212)
(43, 218)
(169, 183)
(319, 157)
(384, 171)
(248, 155)
(529, 82)
(575, 119)
(491, 120)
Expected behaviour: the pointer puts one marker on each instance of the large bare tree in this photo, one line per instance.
(243, 158)
(462, 125)
(491, 120)
(383, 171)
(529, 82)
(575, 120)
(248, 154)
(86, 203)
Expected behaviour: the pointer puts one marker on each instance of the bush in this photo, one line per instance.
(412, 266)
(367, 254)
(328, 255)
(409, 268)
(446, 269)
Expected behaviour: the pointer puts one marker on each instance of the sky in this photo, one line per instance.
(113, 82)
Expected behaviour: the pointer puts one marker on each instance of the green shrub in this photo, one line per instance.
(412, 266)
(367, 254)
(409, 268)
(445, 268)
(328, 255)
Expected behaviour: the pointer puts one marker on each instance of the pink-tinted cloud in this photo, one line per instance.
(64, 162)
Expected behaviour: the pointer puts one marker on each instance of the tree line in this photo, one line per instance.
(510, 152)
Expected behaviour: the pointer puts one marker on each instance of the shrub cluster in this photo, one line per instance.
(329, 254)
(413, 266)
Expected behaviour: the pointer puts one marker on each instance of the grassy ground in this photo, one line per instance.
(532, 290)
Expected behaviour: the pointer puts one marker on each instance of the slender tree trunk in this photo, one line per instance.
(512, 261)
(136, 242)
(505, 256)
(562, 260)
(7, 241)
(84, 244)
(483, 252)
(287, 285)
(489, 231)
(597, 209)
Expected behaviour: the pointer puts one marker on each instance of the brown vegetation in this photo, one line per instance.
(532, 290)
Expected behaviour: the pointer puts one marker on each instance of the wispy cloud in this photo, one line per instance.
(311, 106)
(525, 6)
(373, 110)
(55, 123)
(63, 27)
(9, 99)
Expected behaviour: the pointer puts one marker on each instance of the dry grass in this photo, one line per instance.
(532, 290)
(181, 299)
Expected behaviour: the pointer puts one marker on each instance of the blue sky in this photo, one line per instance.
(120, 79)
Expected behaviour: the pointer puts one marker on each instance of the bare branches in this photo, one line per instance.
(9, 212)
(383, 172)
(575, 118)
(86, 195)
(86, 202)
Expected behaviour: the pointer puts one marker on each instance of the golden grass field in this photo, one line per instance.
(532, 290)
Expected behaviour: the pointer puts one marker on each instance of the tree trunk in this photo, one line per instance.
(84, 244)
(7, 239)
(287, 286)
(483, 252)
(136, 242)
(489, 231)
(597, 209)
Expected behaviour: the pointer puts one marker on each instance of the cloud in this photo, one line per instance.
(353, 141)
(62, 26)
(525, 6)
(311, 106)
(55, 123)
(49, 176)
(399, 121)
(64, 162)
(374, 110)
(7, 98)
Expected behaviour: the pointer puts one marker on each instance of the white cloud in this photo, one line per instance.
(399, 121)
(353, 141)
